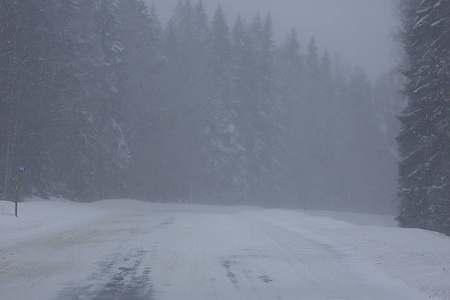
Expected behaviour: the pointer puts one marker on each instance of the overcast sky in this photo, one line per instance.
(358, 30)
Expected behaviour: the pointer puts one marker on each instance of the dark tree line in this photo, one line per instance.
(425, 136)
(62, 103)
(99, 100)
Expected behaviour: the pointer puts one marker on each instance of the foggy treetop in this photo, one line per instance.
(358, 30)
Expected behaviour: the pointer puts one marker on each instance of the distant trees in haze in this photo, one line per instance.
(99, 100)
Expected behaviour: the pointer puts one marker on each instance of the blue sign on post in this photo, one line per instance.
(22, 169)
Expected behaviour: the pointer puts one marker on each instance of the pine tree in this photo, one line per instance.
(66, 119)
(292, 91)
(142, 40)
(73, 155)
(312, 130)
(389, 102)
(111, 156)
(272, 114)
(329, 122)
(185, 44)
(263, 111)
(424, 140)
(241, 64)
(219, 127)
(360, 144)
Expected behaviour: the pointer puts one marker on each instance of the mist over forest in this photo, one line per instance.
(100, 99)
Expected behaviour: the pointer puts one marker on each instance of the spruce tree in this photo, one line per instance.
(361, 144)
(292, 91)
(262, 110)
(143, 62)
(241, 82)
(185, 41)
(424, 140)
(219, 128)
(312, 130)
(111, 154)
(329, 162)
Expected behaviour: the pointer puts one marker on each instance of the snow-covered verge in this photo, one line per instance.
(357, 218)
(37, 216)
(64, 250)
(417, 257)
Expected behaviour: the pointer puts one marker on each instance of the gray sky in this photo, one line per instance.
(358, 30)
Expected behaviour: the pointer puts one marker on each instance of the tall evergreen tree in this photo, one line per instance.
(222, 150)
(292, 91)
(142, 40)
(424, 139)
(389, 102)
(219, 138)
(312, 131)
(109, 153)
(185, 45)
(264, 111)
(68, 117)
(329, 124)
(242, 62)
(359, 144)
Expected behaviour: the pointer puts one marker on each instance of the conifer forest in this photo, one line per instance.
(99, 99)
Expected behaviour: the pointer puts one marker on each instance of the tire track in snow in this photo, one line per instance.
(120, 277)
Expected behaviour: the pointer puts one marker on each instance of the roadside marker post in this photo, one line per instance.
(16, 188)
(16, 194)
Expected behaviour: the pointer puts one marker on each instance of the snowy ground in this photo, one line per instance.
(123, 249)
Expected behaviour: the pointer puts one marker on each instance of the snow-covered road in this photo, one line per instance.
(132, 250)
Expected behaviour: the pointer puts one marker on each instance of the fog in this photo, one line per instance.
(356, 168)
(359, 30)
(189, 103)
